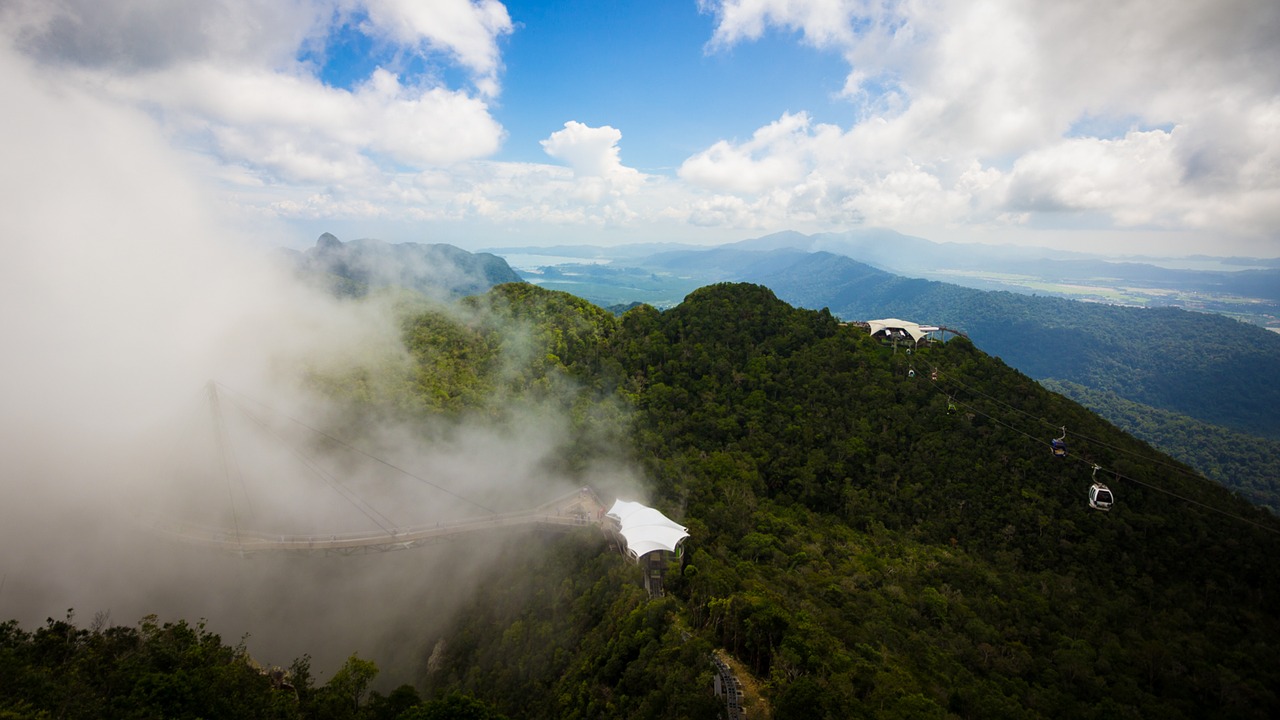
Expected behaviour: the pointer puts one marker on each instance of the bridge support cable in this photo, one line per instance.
(369, 511)
(347, 446)
(582, 507)
(937, 384)
(225, 456)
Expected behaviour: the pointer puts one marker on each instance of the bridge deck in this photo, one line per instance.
(576, 509)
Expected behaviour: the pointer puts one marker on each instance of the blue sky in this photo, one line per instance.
(643, 67)
(640, 66)
(1120, 128)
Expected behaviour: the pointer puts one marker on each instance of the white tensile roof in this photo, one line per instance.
(646, 529)
(914, 330)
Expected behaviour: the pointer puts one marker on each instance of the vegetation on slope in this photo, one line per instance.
(866, 553)
(863, 551)
(1200, 365)
(175, 670)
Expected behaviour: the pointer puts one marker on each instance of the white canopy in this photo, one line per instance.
(645, 529)
(915, 331)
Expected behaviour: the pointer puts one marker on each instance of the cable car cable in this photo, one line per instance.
(1116, 473)
(1145, 457)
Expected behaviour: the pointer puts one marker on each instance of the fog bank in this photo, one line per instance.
(122, 295)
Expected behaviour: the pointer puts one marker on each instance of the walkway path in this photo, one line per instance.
(576, 509)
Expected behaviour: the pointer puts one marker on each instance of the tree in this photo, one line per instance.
(340, 697)
(454, 706)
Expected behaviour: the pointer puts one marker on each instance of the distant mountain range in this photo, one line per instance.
(914, 256)
(356, 267)
(1246, 288)
(1202, 365)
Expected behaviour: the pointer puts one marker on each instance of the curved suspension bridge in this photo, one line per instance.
(581, 507)
(576, 509)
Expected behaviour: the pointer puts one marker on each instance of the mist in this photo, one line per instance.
(124, 296)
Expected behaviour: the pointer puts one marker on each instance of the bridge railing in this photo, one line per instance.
(576, 509)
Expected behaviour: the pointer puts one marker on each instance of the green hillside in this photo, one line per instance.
(1203, 366)
(860, 549)
(865, 553)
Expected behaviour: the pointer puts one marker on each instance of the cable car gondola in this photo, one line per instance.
(1059, 445)
(1100, 496)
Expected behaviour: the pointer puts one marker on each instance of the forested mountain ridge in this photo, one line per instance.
(1204, 366)
(1193, 367)
(861, 549)
(868, 554)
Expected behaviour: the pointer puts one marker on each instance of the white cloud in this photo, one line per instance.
(723, 210)
(962, 106)
(591, 152)
(986, 114)
(469, 30)
(823, 22)
(777, 154)
(490, 193)
(1127, 176)
(225, 77)
(139, 35)
(797, 172)
(297, 129)
(905, 196)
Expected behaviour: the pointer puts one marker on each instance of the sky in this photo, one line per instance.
(1120, 127)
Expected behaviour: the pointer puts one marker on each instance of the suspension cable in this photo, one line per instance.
(348, 446)
(224, 452)
(369, 511)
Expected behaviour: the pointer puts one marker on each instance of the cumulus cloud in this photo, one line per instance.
(1093, 174)
(968, 112)
(591, 152)
(226, 78)
(297, 129)
(140, 35)
(823, 22)
(996, 113)
(601, 184)
(468, 30)
(777, 154)
(135, 35)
